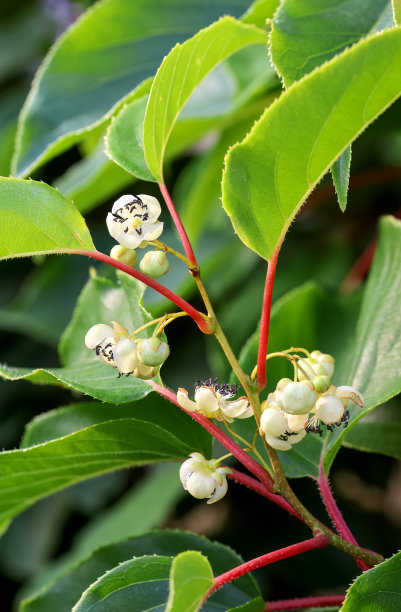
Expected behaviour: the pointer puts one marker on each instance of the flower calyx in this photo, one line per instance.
(133, 220)
(204, 479)
(210, 399)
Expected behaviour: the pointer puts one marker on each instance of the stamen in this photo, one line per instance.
(224, 389)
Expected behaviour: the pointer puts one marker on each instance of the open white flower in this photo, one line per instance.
(202, 479)
(277, 430)
(133, 220)
(331, 408)
(112, 345)
(211, 401)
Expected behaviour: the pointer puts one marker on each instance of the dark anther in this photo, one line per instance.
(118, 217)
(224, 389)
(125, 230)
(138, 231)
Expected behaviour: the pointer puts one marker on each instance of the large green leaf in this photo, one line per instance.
(260, 11)
(101, 301)
(190, 577)
(35, 218)
(306, 34)
(373, 365)
(141, 582)
(180, 73)
(63, 592)
(379, 589)
(270, 174)
(106, 55)
(35, 472)
(397, 11)
(378, 432)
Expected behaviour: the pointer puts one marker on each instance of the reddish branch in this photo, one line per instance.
(258, 487)
(253, 466)
(297, 603)
(177, 222)
(277, 555)
(265, 321)
(335, 514)
(203, 324)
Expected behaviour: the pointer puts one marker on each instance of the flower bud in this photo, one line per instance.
(329, 409)
(325, 360)
(297, 397)
(321, 383)
(153, 351)
(125, 356)
(154, 264)
(273, 422)
(203, 480)
(121, 253)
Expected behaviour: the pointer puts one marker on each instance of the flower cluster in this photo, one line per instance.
(203, 479)
(140, 357)
(298, 407)
(211, 400)
(133, 222)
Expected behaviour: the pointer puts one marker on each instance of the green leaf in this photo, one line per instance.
(101, 301)
(32, 473)
(180, 73)
(64, 591)
(92, 180)
(373, 365)
(270, 174)
(190, 578)
(260, 11)
(124, 139)
(305, 35)
(397, 11)
(340, 171)
(377, 589)
(378, 432)
(35, 218)
(102, 60)
(142, 582)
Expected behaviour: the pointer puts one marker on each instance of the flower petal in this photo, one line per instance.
(125, 356)
(97, 334)
(154, 208)
(184, 401)
(277, 443)
(124, 199)
(219, 492)
(151, 231)
(349, 393)
(206, 400)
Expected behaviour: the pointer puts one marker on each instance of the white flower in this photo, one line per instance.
(331, 408)
(275, 427)
(202, 480)
(112, 345)
(210, 400)
(133, 220)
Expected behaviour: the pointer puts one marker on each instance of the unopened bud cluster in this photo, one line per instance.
(211, 400)
(204, 479)
(133, 222)
(298, 407)
(141, 357)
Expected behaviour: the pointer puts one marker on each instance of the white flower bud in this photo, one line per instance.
(202, 480)
(329, 409)
(297, 397)
(121, 253)
(154, 264)
(153, 351)
(325, 360)
(321, 383)
(273, 422)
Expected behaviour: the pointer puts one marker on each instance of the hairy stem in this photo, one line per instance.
(253, 466)
(200, 319)
(178, 223)
(265, 321)
(321, 601)
(277, 555)
(335, 514)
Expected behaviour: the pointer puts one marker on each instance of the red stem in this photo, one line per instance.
(265, 321)
(320, 601)
(178, 223)
(277, 555)
(253, 466)
(204, 325)
(335, 514)
(258, 487)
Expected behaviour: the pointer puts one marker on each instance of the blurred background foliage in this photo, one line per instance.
(324, 246)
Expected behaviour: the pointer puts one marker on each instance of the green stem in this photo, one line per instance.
(167, 249)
